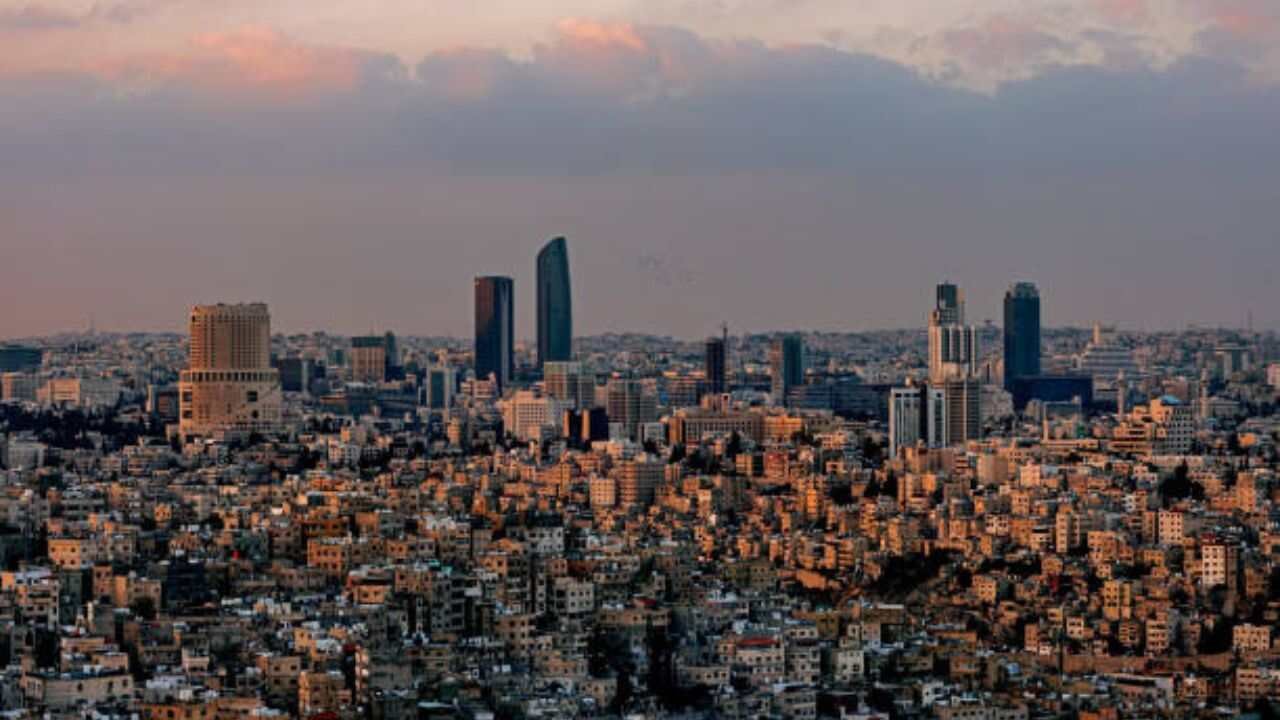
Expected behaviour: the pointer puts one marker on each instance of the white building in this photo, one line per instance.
(527, 413)
(916, 414)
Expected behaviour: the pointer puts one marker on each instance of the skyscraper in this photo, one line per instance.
(954, 351)
(714, 366)
(555, 304)
(495, 329)
(786, 358)
(1021, 333)
(962, 398)
(229, 385)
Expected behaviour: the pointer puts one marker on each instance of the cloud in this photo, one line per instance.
(1005, 43)
(250, 60)
(717, 166)
(35, 17)
(40, 18)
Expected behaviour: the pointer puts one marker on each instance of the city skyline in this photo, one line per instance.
(913, 359)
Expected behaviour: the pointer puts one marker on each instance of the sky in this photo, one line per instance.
(773, 164)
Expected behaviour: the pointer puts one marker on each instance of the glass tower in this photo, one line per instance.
(555, 304)
(1021, 333)
(495, 329)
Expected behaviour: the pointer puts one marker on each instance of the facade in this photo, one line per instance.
(441, 381)
(229, 385)
(1165, 426)
(555, 304)
(786, 361)
(1021, 333)
(714, 366)
(296, 374)
(629, 405)
(569, 383)
(954, 350)
(916, 414)
(1106, 358)
(637, 483)
(18, 387)
(963, 400)
(368, 359)
(78, 392)
(495, 329)
(526, 414)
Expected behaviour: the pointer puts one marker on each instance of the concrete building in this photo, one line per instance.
(229, 385)
(369, 359)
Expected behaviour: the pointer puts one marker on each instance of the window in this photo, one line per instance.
(253, 398)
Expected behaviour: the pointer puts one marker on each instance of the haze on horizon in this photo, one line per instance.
(798, 164)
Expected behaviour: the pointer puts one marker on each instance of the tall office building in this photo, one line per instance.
(1021, 333)
(949, 304)
(786, 359)
(954, 351)
(495, 329)
(963, 401)
(441, 382)
(369, 359)
(394, 362)
(229, 385)
(916, 414)
(714, 366)
(555, 304)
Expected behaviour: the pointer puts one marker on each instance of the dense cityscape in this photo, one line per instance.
(956, 521)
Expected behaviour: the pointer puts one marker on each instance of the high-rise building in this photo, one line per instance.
(229, 384)
(786, 360)
(296, 373)
(555, 304)
(963, 401)
(394, 363)
(954, 350)
(629, 406)
(949, 304)
(1021, 333)
(567, 382)
(916, 414)
(369, 359)
(714, 366)
(495, 329)
(440, 381)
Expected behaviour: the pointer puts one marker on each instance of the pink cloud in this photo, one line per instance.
(466, 74)
(253, 60)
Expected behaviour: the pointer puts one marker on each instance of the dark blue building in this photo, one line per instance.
(495, 329)
(1021, 333)
(555, 304)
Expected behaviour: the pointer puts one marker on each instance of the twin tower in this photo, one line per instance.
(495, 316)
